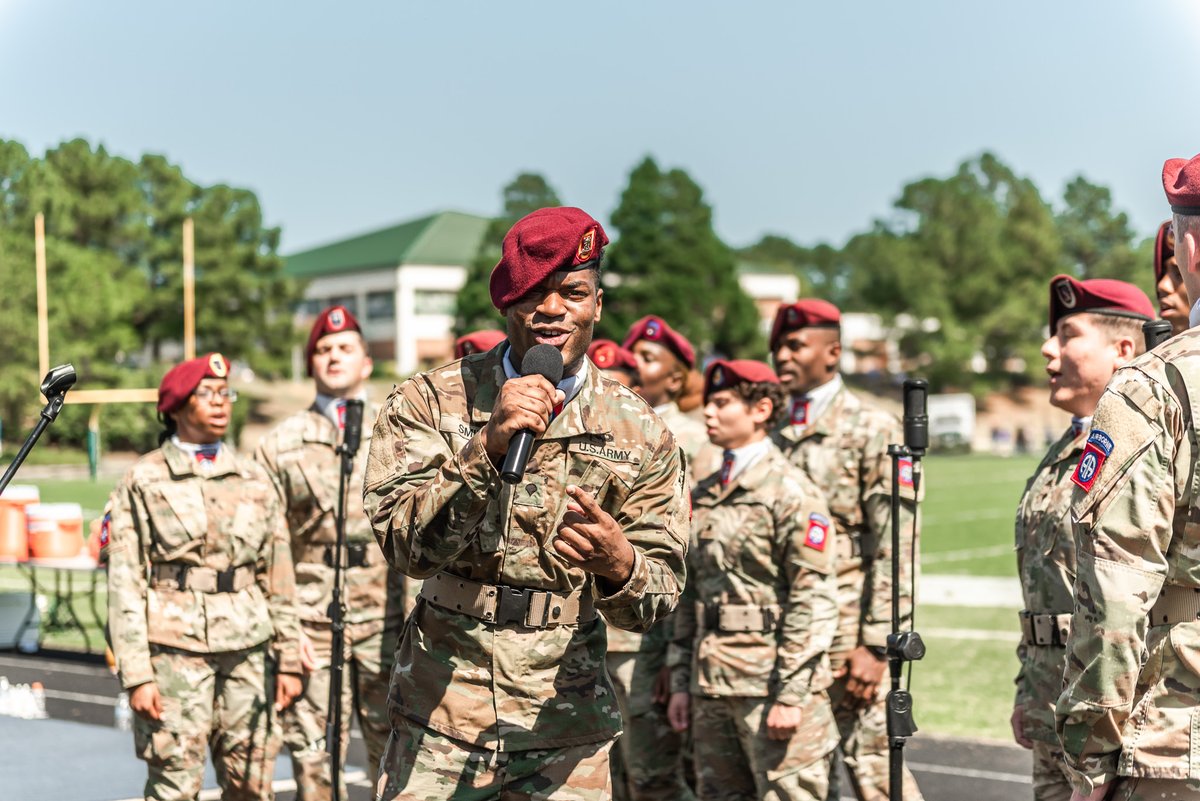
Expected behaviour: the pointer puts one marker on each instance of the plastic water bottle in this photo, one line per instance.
(39, 701)
(123, 713)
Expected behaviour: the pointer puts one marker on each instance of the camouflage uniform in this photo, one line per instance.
(647, 760)
(1046, 566)
(300, 455)
(440, 510)
(1131, 703)
(844, 450)
(200, 588)
(763, 546)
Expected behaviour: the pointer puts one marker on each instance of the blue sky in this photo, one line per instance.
(803, 119)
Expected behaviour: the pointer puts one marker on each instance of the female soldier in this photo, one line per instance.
(200, 588)
(748, 660)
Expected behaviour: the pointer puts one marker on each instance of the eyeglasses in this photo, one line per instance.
(225, 394)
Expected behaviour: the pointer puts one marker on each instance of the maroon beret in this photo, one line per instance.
(542, 243)
(333, 320)
(181, 380)
(807, 313)
(1164, 249)
(478, 342)
(723, 374)
(655, 329)
(608, 355)
(1181, 181)
(1099, 296)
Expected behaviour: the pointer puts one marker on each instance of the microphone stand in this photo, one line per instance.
(904, 646)
(337, 605)
(54, 388)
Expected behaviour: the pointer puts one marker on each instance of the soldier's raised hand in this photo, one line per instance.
(590, 538)
(525, 402)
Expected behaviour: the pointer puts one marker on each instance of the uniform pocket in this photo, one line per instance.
(178, 517)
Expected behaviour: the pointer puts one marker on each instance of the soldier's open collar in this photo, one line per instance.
(182, 464)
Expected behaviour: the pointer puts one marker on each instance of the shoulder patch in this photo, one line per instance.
(818, 532)
(1098, 448)
(906, 472)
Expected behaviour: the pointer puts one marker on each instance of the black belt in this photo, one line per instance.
(201, 577)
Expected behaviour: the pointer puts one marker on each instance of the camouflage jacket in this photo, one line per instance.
(301, 456)
(1131, 703)
(169, 509)
(764, 540)
(1046, 567)
(702, 459)
(845, 451)
(437, 504)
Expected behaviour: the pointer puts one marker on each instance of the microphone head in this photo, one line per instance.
(543, 360)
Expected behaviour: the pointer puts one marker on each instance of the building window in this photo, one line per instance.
(309, 308)
(349, 301)
(432, 301)
(381, 305)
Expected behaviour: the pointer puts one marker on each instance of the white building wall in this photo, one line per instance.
(412, 326)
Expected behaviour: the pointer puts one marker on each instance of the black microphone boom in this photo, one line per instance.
(546, 361)
(352, 434)
(1155, 333)
(351, 438)
(916, 421)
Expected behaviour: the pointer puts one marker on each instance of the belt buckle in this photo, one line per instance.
(225, 580)
(512, 605)
(356, 554)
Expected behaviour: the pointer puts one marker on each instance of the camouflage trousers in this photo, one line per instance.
(736, 761)
(368, 669)
(1128, 789)
(1050, 782)
(864, 745)
(421, 764)
(223, 702)
(647, 756)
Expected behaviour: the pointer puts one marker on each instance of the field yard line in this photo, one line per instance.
(973, 481)
(964, 554)
(975, 591)
(85, 698)
(358, 778)
(28, 663)
(970, 773)
(984, 635)
(969, 516)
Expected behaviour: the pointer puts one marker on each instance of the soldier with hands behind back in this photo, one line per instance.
(841, 442)
(1095, 328)
(300, 454)
(1129, 712)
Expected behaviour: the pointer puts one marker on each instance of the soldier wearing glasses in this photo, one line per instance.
(200, 589)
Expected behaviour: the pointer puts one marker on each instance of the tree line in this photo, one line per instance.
(958, 270)
(114, 276)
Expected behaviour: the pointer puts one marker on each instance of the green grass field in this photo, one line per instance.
(963, 686)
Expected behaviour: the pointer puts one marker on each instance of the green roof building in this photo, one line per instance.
(400, 282)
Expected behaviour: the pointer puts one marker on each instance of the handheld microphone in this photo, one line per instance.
(546, 361)
(1156, 332)
(352, 433)
(916, 421)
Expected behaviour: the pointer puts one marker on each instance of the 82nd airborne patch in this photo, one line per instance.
(1099, 447)
(818, 532)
